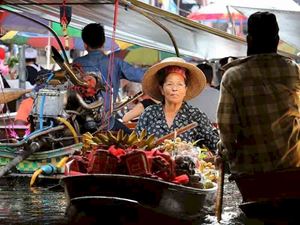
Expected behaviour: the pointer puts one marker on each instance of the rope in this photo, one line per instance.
(109, 88)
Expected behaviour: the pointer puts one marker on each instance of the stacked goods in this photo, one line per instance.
(118, 153)
(191, 160)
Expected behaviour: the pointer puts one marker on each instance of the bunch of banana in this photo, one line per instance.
(124, 141)
(88, 142)
(108, 139)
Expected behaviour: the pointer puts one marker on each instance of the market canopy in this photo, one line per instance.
(192, 38)
(288, 21)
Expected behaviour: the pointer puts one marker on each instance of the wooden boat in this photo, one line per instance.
(37, 159)
(271, 196)
(152, 196)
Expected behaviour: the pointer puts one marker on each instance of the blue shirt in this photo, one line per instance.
(97, 62)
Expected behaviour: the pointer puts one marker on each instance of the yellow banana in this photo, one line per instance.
(125, 139)
(112, 138)
(120, 136)
(87, 136)
(96, 140)
(132, 138)
(143, 134)
(150, 142)
(103, 138)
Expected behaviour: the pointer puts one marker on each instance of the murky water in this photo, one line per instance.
(22, 205)
(231, 213)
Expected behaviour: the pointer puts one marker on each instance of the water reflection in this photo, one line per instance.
(231, 213)
(21, 205)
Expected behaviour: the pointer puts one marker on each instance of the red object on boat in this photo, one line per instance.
(161, 164)
(136, 163)
(116, 151)
(76, 164)
(182, 179)
(101, 161)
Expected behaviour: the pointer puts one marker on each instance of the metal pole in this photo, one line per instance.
(22, 67)
(21, 71)
(48, 48)
(231, 20)
(154, 20)
(178, 7)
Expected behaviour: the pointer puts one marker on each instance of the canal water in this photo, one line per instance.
(20, 204)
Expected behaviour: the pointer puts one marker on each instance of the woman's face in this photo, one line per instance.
(174, 88)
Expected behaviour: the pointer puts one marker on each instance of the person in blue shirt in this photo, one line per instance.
(93, 36)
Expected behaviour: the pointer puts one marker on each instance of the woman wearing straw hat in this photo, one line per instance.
(173, 81)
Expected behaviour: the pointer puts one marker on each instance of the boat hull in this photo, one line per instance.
(271, 196)
(112, 210)
(37, 159)
(168, 199)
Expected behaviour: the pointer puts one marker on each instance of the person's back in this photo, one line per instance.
(97, 62)
(33, 70)
(262, 97)
(256, 93)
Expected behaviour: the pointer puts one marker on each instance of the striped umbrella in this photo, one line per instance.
(41, 40)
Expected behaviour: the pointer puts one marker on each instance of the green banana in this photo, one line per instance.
(112, 138)
(120, 136)
(150, 141)
(103, 138)
(132, 138)
(143, 134)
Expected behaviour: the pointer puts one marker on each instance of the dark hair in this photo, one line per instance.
(224, 61)
(207, 70)
(263, 25)
(30, 60)
(263, 32)
(161, 76)
(93, 35)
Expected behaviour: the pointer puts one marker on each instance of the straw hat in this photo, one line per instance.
(196, 78)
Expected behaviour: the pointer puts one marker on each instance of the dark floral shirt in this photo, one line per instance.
(154, 121)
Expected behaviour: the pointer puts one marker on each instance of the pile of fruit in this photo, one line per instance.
(191, 160)
(174, 161)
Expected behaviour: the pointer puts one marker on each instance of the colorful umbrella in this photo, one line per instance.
(37, 36)
(41, 40)
(138, 55)
(142, 56)
(10, 21)
(33, 39)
